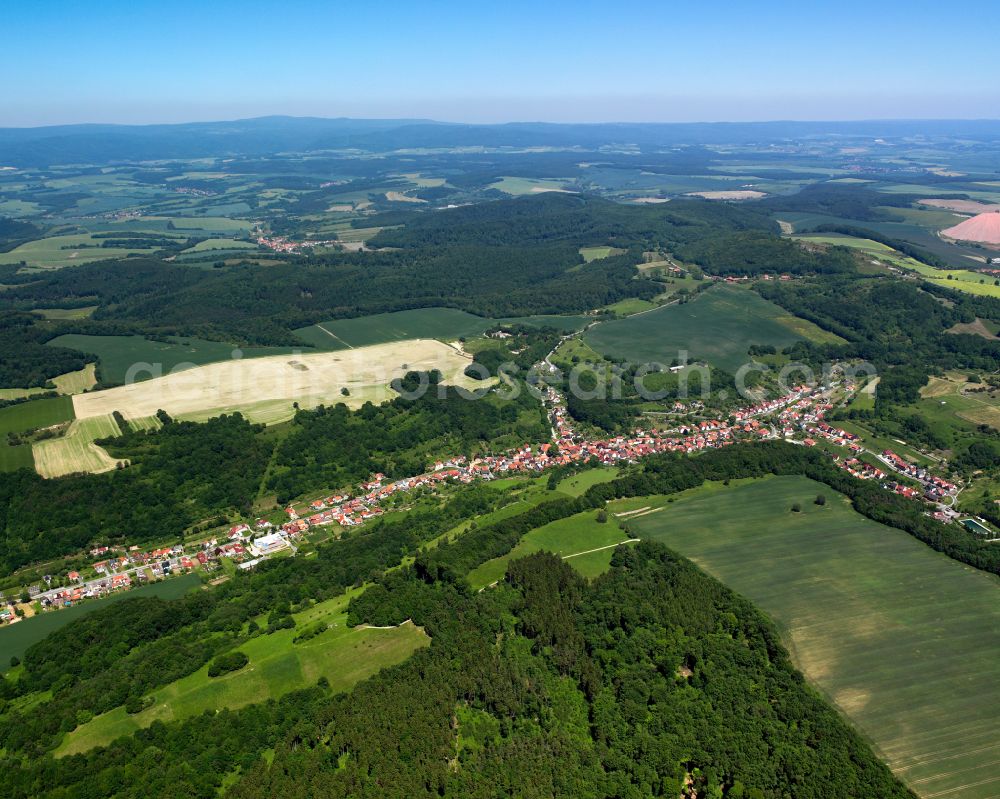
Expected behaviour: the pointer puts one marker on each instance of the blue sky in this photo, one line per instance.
(178, 60)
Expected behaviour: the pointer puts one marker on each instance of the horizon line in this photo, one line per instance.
(459, 123)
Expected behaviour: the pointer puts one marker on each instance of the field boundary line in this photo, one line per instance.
(334, 336)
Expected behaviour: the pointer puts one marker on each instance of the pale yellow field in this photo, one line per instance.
(265, 388)
(76, 451)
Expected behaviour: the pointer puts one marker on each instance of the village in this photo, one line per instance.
(797, 416)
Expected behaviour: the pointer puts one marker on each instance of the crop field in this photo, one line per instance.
(445, 324)
(59, 251)
(342, 654)
(118, 354)
(16, 638)
(260, 383)
(75, 450)
(902, 639)
(717, 326)
(581, 540)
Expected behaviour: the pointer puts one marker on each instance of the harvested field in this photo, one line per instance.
(75, 451)
(962, 206)
(260, 383)
(399, 197)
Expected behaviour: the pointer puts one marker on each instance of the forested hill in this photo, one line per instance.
(655, 680)
(575, 219)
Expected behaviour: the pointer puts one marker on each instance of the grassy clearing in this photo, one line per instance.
(16, 638)
(343, 655)
(264, 383)
(446, 324)
(630, 306)
(65, 313)
(576, 485)
(75, 451)
(119, 354)
(574, 538)
(902, 639)
(718, 326)
(596, 253)
(947, 402)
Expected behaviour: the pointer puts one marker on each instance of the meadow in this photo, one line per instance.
(277, 665)
(951, 402)
(717, 326)
(901, 639)
(118, 354)
(581, 540)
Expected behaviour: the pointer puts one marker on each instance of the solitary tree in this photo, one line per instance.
(820, 500)
(796, 508)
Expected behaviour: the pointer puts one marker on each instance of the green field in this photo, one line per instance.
(902, 639)
(717, 326)
(59, 251)
(16, 638)
(959, 279)
(34, 414)
(576, 485)
(342, 654)
(518, 186)
(222, 244)
(118, 354)
(575, 539)
(446, 324)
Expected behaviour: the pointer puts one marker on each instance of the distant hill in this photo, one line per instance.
(92, 144)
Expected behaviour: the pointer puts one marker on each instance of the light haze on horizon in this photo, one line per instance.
(146, 62)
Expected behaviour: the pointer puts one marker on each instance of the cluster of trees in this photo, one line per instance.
(329, 447)
(755, 252)
(25, 360)
(653, 680)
